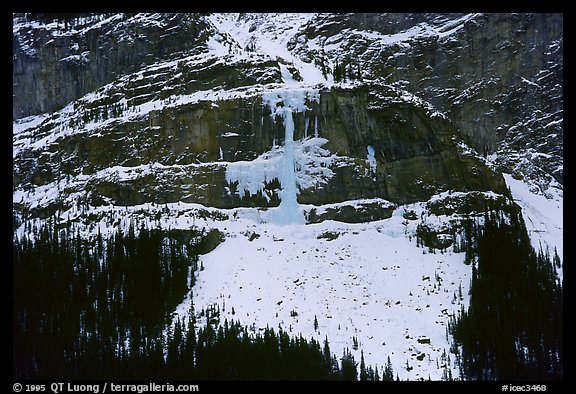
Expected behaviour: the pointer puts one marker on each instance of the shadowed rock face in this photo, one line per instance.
(55, 67)
(494, 85)
(477, 76)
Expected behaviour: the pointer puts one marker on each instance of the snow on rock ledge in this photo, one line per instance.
(356, 211)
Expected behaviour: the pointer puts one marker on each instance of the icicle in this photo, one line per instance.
(371, 158)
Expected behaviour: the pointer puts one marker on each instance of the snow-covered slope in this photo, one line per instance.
(367, 281)
(267, 34)
(268, 127)
(543, 215)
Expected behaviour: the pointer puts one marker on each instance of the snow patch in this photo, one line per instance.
(544, 217)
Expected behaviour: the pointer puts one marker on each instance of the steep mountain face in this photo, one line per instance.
(186, 90)
(226, 121)
(171, 151)
(61, 62)
(498, 77)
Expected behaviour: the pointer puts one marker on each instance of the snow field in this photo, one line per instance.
(371, 282)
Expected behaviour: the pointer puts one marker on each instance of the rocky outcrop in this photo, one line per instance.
(475, 203)
(415, 147)
(352, 212)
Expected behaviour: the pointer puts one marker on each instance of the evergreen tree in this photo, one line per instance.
(337, 72)
(363, 371)
(388, 371)
(349, 371)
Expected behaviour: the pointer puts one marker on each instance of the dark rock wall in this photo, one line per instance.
(51, 69)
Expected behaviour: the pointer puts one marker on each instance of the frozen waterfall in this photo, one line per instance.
(285, 103)
(279, 163)
(288, 212)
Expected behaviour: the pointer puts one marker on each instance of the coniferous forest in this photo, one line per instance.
(101, 310)
(513, 327)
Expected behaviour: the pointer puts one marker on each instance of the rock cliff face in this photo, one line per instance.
(182, 153)
(56, 61)
(122, 110)
(498, 77)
